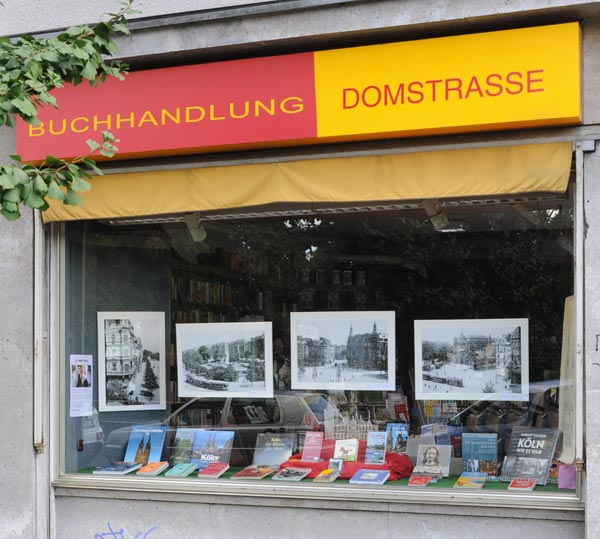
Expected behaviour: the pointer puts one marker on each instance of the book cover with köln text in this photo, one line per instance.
(145, 444)
(211, 446)
(182, 445)
(480, 452)
(272, 449)
(530, 453)
(313, 442)
(376, 442)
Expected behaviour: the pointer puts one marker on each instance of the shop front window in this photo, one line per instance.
(421, 350)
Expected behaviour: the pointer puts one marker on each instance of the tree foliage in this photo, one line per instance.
(30, 68)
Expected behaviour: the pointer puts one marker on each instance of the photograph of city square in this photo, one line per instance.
(131, 361)
(345, 350)
(225, 359)
(483, 359)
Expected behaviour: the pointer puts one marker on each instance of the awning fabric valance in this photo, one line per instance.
(475, 172)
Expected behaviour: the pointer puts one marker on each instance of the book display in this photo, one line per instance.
(153, 468)
(376, 443)
(370, 477)
(117, 468)
(347, 450)
(213, 470)
(530, 453)
(273, 449)
(211, 446)
(313, 441)
(183, 469)
(522, 484)
(291, 474)
(145, 444)
(182, 445)
(253, 471)
(480, 453)
(471, 480)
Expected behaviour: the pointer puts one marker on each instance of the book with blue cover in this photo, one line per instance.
(211, 446)
(145, 444)
(397, 436)
(375, 453)
(117, 468)
(480, 452)
(370, 477)
(183, 469)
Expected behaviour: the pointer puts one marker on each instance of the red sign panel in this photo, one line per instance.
(182, 109)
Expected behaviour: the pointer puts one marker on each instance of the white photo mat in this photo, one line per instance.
(131, 361)
(479, 359)
(331, 365)
(228, 359)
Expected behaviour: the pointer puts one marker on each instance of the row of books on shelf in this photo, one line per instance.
(210, 292)
(196, 316)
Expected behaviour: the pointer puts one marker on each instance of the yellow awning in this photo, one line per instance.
(476, 172)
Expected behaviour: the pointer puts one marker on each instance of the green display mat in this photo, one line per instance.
(445, 483)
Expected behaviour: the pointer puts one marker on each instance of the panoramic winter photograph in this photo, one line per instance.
(343, 350)
(225, 359)
(131, 361)
(485, 359)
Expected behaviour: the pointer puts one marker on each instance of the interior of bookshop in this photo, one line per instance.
(388, 346)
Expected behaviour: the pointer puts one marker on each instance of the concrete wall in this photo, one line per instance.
(17, 458)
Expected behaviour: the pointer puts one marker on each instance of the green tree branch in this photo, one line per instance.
(30, 68)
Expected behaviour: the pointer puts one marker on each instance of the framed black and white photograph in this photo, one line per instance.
(343, 350)
(233, 359)
(484, 359)
(131, 361)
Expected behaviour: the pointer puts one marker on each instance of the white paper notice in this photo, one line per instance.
(82, 388)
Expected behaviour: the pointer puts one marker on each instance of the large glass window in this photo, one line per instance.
(359, 320)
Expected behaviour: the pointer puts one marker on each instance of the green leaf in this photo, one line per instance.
(39, 185)
(16, 157)
(55, 192)
(9, 215)
(89, 71)
(80, 185)
(24, 105)
(72, 198)
(92, 144)
(10, 206)
(74, 30)
(12, 195)
(7, 180)
(20, 175)
(33, 200)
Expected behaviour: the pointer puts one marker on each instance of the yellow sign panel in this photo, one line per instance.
(513, 78)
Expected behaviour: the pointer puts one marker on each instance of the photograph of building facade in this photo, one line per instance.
(284, 163)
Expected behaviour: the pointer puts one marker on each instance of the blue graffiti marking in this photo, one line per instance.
(120, 534)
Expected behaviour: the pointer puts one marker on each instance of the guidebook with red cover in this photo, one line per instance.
(523, 484)
(214, 470)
